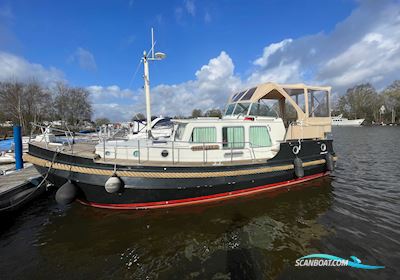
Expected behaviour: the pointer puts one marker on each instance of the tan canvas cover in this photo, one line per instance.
(306, 126)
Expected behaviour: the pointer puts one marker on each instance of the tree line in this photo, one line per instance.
(27, 102)
(365, 102)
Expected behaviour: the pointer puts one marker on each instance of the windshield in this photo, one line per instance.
(263, 109)
(179, 131)
(241, 108)
(229, 110)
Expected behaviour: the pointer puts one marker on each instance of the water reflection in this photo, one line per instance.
(249, 238)
(354, 212)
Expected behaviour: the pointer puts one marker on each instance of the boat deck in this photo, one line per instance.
(87, 150)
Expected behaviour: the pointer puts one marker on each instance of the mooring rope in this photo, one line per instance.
(168, 175)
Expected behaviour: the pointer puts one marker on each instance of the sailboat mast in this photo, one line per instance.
(147, 92)
(146, 59)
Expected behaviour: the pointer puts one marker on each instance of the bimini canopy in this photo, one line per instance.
(311, 104)
(281, 91)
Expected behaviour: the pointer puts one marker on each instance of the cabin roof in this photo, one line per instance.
(226, 120)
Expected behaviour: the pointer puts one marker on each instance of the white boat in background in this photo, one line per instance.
(340, 121)
(160, 128)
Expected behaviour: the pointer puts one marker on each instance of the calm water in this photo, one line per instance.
(354, 212)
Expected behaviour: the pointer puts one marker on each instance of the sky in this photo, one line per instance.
(213, 47)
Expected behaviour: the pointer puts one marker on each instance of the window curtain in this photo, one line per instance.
(204, 135)
(259, 137)
(235, 137)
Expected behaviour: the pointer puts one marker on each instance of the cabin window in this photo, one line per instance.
(179, 131)
(241, 108)
(233, 137)
(204, 135)
(229, 110)
(259, 137)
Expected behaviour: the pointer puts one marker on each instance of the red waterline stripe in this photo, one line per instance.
(204, 199)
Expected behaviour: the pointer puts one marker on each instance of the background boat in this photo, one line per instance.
(340, 121)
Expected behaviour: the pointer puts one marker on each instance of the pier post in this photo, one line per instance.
(19, 163)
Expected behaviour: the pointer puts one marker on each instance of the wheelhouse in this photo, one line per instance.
(305, 110)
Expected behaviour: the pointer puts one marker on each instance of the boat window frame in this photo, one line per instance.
(244, 113)
(191, 134)
(179, 133)
(225, 144)
(230, 104)
(269, 135)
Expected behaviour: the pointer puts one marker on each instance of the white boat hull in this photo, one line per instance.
(356, 122)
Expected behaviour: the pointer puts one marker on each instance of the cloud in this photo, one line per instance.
(114, 103)
(271, 50)
(100, 93)
(178, 13)
(8, 40)
(14, 67)
(365, 47)
(190, 7)
(212, 86)
(113, 111)
(85, 59)
(207, 17)
(6, 12)
(214, 83)
(187, 8)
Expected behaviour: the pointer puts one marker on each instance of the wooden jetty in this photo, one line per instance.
(19, 187)
(16, 178)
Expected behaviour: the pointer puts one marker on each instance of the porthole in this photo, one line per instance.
(164, 153)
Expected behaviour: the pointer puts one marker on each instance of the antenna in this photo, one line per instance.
(152, 43)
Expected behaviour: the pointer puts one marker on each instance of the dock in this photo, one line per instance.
(19, 187)
(14, 179)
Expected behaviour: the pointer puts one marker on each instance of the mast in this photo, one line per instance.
(147, 92)
(146, 77)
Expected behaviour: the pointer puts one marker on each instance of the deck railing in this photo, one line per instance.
(80, 144)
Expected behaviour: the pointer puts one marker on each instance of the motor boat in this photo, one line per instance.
(272, 136)
(340, 121)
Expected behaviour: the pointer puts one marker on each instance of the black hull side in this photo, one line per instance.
(141, 192)
(155, 191)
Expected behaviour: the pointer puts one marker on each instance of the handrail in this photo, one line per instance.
(174, 147)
